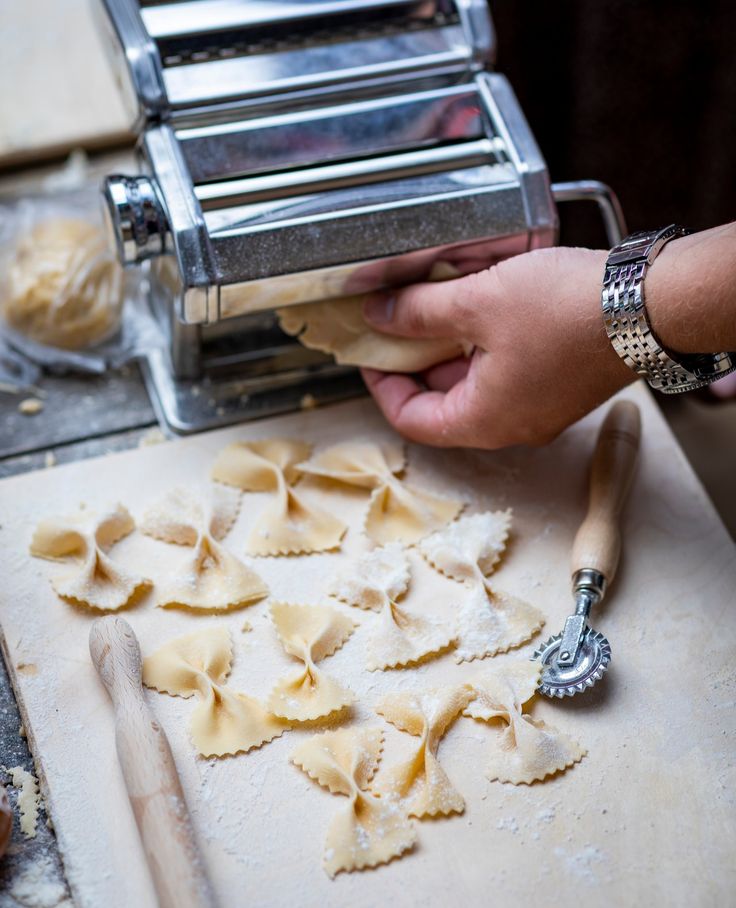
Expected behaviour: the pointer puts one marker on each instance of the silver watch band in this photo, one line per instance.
(627, 326)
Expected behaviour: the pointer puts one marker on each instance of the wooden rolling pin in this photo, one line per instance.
(149, 770)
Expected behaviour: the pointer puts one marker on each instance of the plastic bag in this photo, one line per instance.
(66, 304)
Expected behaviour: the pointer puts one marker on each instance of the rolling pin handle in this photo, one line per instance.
(149, 771)
(597, 545)
(116, 655)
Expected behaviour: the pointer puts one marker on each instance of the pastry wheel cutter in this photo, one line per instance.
(575, 659)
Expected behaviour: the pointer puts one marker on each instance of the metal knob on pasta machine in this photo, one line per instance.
(136, 219)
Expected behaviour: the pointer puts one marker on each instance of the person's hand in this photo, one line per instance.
(541, 357)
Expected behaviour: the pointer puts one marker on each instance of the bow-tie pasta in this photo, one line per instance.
(396, 511)
(97, 581)
(370, 830)
(289, 525)
(488, 621)
(399, 637)
(420, 782)
(212, 579)
(223, 722)
(309, 633)
(527, 750)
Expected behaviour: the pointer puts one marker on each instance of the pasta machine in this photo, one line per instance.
(300, 150)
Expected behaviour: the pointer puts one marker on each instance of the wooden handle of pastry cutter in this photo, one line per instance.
(149, 770)
(598, 541)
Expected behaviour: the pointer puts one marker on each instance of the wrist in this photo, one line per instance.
(689, 292)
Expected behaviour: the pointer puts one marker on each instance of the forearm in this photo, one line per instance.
(690, 292)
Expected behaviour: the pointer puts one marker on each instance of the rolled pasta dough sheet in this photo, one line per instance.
(338, 327)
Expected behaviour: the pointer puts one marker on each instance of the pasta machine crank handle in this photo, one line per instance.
(606, 199)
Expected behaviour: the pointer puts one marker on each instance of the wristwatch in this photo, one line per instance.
(628, 328)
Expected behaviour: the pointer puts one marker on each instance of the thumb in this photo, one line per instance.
(446, 309)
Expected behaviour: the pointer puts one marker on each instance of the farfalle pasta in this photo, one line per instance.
(469, 549)
(399, 637)
(309, 633)
(420, 782)
(289, 525)
(488, 621)
(97, 581)
(213, 579)
(369, 830)
(396, 512)
(223, 722)
(527, 750)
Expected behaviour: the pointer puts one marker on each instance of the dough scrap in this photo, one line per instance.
(338, 327)
(29, 798)
(310, 633)
(224, 722)
(370, 830)
(64, 285)
(421, 781)
(488, 621)
(396, 512)
(288, 525)
(98, 582)
(212, 579)
(375, 582)
(528, 749)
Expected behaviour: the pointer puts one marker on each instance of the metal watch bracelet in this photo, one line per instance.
(628, 328)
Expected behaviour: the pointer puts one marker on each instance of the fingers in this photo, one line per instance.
(428, 417)
(445, 309)
(445, 375)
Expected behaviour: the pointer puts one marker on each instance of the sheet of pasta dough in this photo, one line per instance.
(595, 833)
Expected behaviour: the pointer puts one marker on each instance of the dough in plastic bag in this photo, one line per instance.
(64, 286)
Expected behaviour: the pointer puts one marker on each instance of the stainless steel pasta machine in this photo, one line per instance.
(300, 150)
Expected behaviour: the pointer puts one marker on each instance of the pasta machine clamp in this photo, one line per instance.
(578, 657)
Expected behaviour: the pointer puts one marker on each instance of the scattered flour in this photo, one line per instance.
(39, 886)
(509, 824)
(583, 863)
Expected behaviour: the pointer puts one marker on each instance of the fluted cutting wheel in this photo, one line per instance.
(568, 680)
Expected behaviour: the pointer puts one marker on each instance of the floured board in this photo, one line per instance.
(647, 817)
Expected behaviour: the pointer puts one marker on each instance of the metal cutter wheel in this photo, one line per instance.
(575, 659)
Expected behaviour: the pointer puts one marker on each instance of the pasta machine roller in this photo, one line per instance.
(300, 150)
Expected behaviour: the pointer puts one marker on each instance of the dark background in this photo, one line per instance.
(640, 95)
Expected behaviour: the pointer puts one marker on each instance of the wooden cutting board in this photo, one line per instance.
(59, 89)
(646, 818)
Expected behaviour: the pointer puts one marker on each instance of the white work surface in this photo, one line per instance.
(646, 818)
